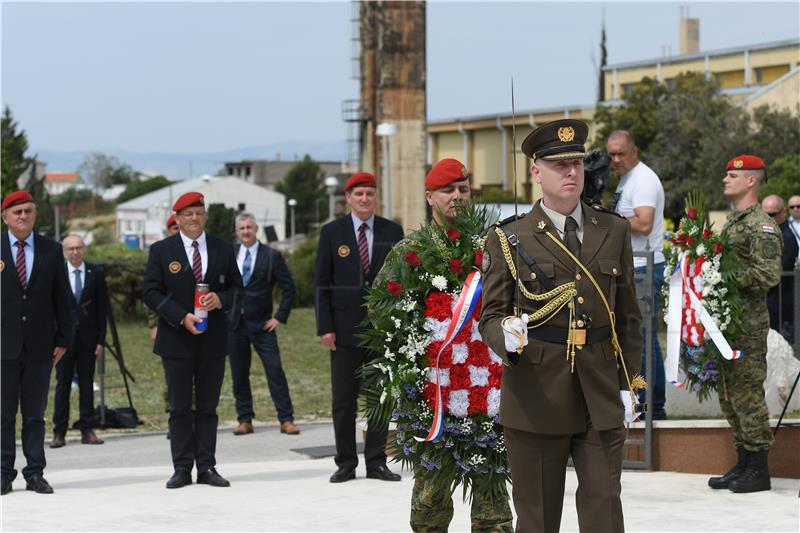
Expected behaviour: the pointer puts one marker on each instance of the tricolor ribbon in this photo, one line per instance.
(467, 300)
(675, 318)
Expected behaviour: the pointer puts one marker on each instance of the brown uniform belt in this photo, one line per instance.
(557, 335)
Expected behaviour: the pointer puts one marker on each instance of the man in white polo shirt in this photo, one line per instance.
(640, 198)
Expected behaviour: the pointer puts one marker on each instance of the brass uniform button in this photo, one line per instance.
(577, 277)
(581, 323)
(580, 299)
(614, 271)
(533, 275)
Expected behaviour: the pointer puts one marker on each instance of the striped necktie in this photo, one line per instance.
(21, 269)
(197, 264)
(363, 248)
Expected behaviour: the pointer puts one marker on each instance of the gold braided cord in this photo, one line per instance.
(559, 291)
(611, 316)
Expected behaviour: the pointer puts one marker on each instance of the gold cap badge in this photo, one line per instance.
(738, 163)
(344, 250)
(174, 267)
(566, 134)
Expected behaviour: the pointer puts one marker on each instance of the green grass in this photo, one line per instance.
(305, 361)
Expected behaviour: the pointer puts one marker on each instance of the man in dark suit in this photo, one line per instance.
(37, 328)
(350, 254)
(88, 285)
(192, 359)
(254, 323)
(576, 297)
(780, 298)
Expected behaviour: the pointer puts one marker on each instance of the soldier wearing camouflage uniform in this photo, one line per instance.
(756, 241)
(432, 506)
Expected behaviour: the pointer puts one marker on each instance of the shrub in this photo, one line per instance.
(302, 264)
(124, 270)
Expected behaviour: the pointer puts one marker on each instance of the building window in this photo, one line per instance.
(627, 89)
(241, 207)
(247, 171)
(765, 75)
(731, 78)
(670, 83)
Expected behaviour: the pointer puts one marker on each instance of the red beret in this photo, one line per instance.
(171, 221)
(17, 197)
(188, 200)
(362, 179)
(444, 173)
(746, 162)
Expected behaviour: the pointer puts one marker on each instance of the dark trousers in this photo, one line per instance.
(266, 345)
(82, 359)
(538, 464)
(345, 362)
(25, 385)
(193, 434)
(658, 379)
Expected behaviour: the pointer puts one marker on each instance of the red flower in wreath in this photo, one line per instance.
(394, 288)
(478, 258)
(413, 259)
(437, 305)
(478, 354)
(478, 402)
(429, 393)
(690, 240)
(706, 233)
(456, 266)
(445, 360)
(495, 376)
(718, 248)
(692, 213)
(459, 377)
(453, 234)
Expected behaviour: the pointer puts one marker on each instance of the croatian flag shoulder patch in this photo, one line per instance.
(766, 228)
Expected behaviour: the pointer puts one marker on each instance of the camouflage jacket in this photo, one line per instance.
(756, 241)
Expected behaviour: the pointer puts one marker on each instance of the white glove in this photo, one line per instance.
(515, 332)
(627, 402)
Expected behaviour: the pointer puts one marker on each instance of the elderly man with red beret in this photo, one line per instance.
(755, 240)
(193, 360)
(351, 252)
(38, 321)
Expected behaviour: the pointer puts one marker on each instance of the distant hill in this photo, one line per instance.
(185, 165)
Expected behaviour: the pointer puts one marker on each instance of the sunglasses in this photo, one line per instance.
(774, 214)
(794, 207)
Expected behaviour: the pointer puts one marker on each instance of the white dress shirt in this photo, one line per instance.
(71, 274)
(369, 232)
(201, 241)
(559, 220)
(12, 241)
(242, 252)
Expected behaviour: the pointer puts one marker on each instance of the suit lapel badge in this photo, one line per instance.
(542, 224)
(174, 267)
(594, 221)
(222, 278)
(344, 250)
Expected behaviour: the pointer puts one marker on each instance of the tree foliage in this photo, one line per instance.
(221, 222)
(13, 160)
(686, 131)
(783, 178)
(304, 183)
(103, 171)
(135, 189)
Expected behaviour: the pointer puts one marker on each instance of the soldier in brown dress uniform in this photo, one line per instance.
(570, 335)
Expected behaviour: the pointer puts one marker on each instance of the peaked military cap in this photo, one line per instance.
(560, 139)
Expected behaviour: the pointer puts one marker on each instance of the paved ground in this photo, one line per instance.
(119, 486)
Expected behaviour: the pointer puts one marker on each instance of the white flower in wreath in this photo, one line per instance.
(700, 250)
(459, 405)
(493, 402)
(438, 328)
(439, 282)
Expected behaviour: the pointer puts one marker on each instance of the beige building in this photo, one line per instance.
(268, 173)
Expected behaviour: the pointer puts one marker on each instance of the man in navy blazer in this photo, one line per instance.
(37, 327)
(88, 284)
(261, 268)
(351, 252)
(193, 360)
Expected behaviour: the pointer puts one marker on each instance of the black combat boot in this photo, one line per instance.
(723, 481)
(755, 477)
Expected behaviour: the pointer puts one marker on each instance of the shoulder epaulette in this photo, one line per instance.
(510, 219)
(598, 207)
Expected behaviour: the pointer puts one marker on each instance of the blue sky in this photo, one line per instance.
(198, 77)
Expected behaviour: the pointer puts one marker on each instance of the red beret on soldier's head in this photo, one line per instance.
(444, 173)
(188, 200)
(17, 197)
(746, 162)
(171, 221)
(362, 179)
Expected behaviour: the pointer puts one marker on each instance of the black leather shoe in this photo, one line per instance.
(6, 486)
(212, 477)
(343, 474)
(39, 484)
(382, 473)
(179, 479)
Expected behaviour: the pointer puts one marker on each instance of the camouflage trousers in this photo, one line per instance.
(432, 509)
(742, 394)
